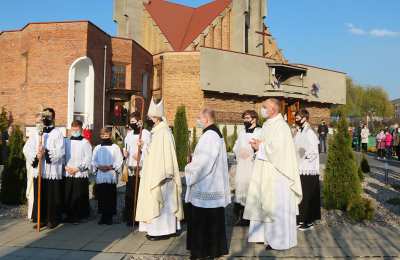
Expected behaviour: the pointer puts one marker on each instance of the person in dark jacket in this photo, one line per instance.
(322, 133)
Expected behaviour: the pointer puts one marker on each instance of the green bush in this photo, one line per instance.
(360, 174)
(225, 135)
(233, 138)
(181, 135)
(194, 139)
(341, 180)
(360, 209)
(3, 127)
(13, 183)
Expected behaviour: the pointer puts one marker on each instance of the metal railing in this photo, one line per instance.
(388, 174)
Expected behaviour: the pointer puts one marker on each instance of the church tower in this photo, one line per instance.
(248, 21)
(128, 15)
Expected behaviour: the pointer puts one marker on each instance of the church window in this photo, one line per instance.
(118, 76)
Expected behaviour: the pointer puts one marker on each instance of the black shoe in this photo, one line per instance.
(158, 238)
(306, 227)
(41, 225)
(52, 225)
(129, 224)
(268, 248)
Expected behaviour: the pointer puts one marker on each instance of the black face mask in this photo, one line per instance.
(247, 125)
(47, 121)
(106, 142)
(134, 127)
(150, 123)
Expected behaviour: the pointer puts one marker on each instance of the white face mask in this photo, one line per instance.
(200, 124)
(264, 112)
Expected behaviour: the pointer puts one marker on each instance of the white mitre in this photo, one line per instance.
(156, 110)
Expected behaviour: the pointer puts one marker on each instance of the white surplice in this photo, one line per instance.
(131, 146)
(245, 161)
(275, 188)
(207, 177)
(54, 143)
(107, 155)
(306, 142)
(78, 154)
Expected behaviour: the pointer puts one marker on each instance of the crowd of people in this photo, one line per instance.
(277, 178)
(387, 141)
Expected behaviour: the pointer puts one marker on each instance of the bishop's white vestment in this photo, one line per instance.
(159, 206)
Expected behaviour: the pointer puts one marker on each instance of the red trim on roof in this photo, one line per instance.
(181, 24)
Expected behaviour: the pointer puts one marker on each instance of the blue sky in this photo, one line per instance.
(359, 37)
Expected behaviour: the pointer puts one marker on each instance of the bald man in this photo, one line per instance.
(207, 192)
(275, 188)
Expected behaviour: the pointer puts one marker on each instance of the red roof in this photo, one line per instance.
(181, 24)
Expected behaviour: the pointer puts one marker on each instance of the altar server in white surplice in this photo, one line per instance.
(107, 163)
(275, 189)
(307, 142)
(208, 192)
(51, 155)
(245, 161)
(78, 160)
(159, 208)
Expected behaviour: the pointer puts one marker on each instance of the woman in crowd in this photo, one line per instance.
(381, 144)
(388, 144)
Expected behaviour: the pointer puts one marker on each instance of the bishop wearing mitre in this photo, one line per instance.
(159, 208)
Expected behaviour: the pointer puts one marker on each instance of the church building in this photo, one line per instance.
(222, 55)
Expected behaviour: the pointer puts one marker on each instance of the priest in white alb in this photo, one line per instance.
(207, 192)
(159, 205)
(275, 188)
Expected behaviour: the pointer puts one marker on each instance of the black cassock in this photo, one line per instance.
(76, 201)
(50, 203)
(206, 234)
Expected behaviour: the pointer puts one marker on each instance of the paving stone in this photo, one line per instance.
(241, 248)
(79, 255)
(7, 250)
(129, 244)
(259, 251)
(39, 253)
(155, 247)
(329, 252)
(98, 246)
(178, 247)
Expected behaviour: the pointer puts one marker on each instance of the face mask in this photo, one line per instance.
(200, 124)
(247, 124)
(150, 123)
(264, 112)
(47, 121)
(76, 134)
(301, 121)
(133, 126)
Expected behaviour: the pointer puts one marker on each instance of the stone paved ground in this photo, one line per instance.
(90, 241)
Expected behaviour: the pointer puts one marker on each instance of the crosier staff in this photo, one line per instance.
(139, 155)
(39, 178)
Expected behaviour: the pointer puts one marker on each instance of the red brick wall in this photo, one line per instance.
(97, 39)
(35, 65)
